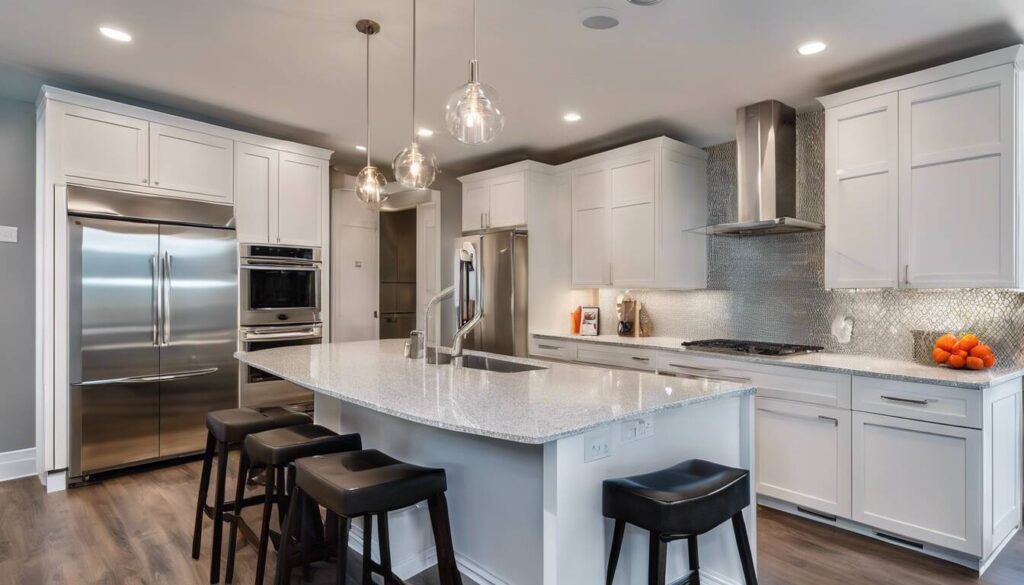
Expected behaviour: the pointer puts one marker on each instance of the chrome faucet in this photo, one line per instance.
(431, 352)
(469, 255)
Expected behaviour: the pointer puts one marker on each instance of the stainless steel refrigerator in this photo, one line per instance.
(503, 283)
(152, 325)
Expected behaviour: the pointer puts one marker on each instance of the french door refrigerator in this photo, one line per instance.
(503, 262)
(152, 327)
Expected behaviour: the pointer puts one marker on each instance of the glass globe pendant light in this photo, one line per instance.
(472, 114)
(370, 181)
(413, 166)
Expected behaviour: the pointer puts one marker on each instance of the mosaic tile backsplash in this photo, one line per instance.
(770, 288)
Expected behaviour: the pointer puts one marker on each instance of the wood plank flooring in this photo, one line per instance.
(137, 529)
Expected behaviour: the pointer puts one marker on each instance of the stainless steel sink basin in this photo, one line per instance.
(494, 365)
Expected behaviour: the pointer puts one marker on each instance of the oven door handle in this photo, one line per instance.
(280, 267)
(303, 334)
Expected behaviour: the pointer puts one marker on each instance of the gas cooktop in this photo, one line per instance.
(751, 347)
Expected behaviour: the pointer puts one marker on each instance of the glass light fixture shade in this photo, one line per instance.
(370, 183)
(472, 114)
(414, 167)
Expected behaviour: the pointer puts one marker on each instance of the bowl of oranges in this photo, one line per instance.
(966, 352)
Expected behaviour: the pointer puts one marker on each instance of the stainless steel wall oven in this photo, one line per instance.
(261, 388)
(279, 284)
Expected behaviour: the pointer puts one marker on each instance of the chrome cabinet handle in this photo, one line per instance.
(906, 400)
(835, 421)
(906, 274)
(641, 359)
(695, 368)
(157, 298)
(167, 298)
(481, 220)
(821, 417)
(542, 346)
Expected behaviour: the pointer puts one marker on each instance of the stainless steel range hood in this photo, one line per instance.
(765, 173)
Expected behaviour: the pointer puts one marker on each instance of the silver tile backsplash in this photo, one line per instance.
(771, 287)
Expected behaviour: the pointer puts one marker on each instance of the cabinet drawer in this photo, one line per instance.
(621, 357)
(558, 349)
(807, 386)
(938, 404)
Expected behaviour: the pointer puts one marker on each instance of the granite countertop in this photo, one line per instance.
(532, 407)
(857, 365)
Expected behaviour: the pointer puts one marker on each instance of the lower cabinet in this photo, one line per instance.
(803, 455)
(918, 480)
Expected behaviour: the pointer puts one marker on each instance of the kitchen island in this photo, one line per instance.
(526, 452)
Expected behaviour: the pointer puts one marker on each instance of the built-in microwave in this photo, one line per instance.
(279, 284)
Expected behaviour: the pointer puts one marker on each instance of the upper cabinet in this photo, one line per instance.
(93, 144)
(632, 209)
(302, 184)
(191, 162)
(494, 199)
(921, 190)
(256, 171)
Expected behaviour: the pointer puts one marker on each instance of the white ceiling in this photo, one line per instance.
(295, 68)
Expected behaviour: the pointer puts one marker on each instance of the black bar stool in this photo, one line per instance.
(224, 429)
(364, 484)
(273, 451)
(683, 501)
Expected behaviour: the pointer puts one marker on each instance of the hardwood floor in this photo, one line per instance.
(137, 529)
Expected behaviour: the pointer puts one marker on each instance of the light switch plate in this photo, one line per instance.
(596, 445)
(637, 429)
(8, 233)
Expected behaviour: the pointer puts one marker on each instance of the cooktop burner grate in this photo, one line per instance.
(751, 347)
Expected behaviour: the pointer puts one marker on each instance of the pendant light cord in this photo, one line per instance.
(474, 30)
(415, 138)
(368, 98)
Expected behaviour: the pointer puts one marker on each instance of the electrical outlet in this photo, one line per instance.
(9, 233)
(595, 445)
(645, 428)
(630, 431)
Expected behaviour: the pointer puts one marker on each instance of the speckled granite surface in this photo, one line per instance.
(526, 407)
(842, 363)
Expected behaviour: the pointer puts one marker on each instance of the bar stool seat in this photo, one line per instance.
(682, 501)
(231, 426)
(340, 482)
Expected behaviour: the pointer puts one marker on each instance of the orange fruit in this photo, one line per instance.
(955, 361)
(946, 342)
(968, 341)
(989, 360)
(981, 350)
(940, 355)
(975, 363)
(960, 353)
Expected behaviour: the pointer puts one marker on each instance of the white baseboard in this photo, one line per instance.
(17, 464)
(708, 576)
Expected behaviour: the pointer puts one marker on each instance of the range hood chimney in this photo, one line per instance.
(766, 173)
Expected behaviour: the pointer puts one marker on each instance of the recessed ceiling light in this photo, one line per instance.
(644, 2)
(425, 132)
(811, 48)
(115, 34)
(360, 148)
(599, 18)
(572, 117)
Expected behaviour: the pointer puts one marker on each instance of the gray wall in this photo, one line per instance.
(771, 287)
(17, 276)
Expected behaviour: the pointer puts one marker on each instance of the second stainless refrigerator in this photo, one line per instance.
(152, 324)
(503, 271)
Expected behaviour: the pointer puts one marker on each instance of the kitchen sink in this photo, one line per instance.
(477, 362)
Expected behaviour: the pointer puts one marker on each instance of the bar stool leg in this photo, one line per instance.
(694, 558)
(613, 555)
(284, 567)
(218, 511)
(746, 559)
(343, 528)
(656, 564)
(236, 513)
(268, 510)
(447, 568)
(367, 550)
(204, 486)
(384, 546)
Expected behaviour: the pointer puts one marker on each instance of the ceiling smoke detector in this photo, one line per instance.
(597, 18)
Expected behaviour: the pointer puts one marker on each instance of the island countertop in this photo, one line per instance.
(532, 407)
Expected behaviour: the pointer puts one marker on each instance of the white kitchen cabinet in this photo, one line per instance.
(590, 253)
(957, 181)
(194, 163)
(861, 194)
(255, 187)
(632, 217)
(917, 480)
(302, 184)
(495, 201)
(803, 455)
(954, 173)
(101, 145)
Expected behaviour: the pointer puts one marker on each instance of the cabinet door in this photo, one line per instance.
(862, 194)
(803, 455)
(255, 188)
(590, 262)
(302, 185)
(191, 162)
(475, 205)
(103, 146)
(918, 480)
(632, 180)
(508, 201)
(632, 245)
(957, 224)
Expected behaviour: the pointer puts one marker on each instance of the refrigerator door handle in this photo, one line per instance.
(148, 379)
(166, 308)
(157, 299)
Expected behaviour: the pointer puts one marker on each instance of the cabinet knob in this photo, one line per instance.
(145, 180)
